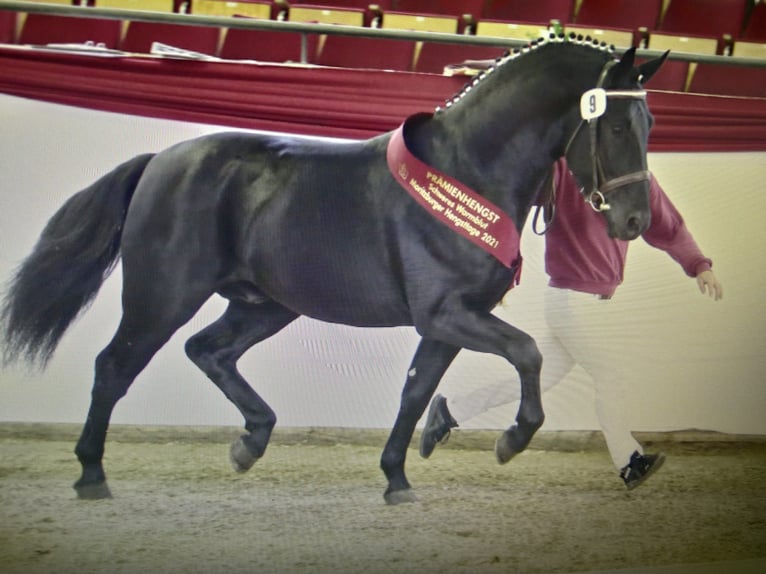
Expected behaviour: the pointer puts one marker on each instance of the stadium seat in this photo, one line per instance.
(755, 29)
(148, 5)
(729, 80)
(225, 8)
(530, 10)
(677, 43)
(7, 27)
(619, 13)
(140, 36)
(704, 17)
(420, 22)
(266, 45)
(516, 30)
(672, 76)
(619, 37)
(382, 4)
(326, 15)
(468, 12)
(434, 57)
(749, 49)
(360, 52)
(444, 7)
(61, 2)
(54, 29)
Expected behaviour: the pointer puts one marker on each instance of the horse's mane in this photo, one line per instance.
(516, 53)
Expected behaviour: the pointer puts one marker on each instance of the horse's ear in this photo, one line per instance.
(626, 62)
(624, 67)
(648, 69)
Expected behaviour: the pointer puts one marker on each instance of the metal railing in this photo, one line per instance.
(331, 29)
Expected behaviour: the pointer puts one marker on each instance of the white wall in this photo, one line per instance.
(695, 363)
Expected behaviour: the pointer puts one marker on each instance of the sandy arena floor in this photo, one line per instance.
(314, 505)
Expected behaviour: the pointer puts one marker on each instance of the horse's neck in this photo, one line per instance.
(502, 136)
(509, 179)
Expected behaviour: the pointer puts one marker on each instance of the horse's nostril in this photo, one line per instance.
(635, 225)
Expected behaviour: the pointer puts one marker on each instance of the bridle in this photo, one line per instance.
(592, 106)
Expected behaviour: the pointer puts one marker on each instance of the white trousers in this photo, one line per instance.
(583, 332)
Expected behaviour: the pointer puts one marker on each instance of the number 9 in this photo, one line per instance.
(593, 104)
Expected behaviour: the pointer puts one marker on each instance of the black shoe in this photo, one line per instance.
(438, 425)
(640, 467)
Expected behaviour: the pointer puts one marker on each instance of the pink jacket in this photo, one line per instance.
(580, 256)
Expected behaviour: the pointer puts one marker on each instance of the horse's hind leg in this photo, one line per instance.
(429, 364)
(116, 368)
(216, 350)
(144, 329)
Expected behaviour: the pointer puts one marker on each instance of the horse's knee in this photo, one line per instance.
(201, 353)
(527, 358)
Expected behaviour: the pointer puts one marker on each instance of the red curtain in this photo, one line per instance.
(322, 101)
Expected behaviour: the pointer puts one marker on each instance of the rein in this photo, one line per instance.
(593, 105)
(546, 202)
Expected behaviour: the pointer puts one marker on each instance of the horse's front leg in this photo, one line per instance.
(529, 419)
(428, 366)
(486, 333)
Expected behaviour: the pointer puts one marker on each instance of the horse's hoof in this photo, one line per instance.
(241, 458)
(93, 491)
(400, 496)
(503, 450)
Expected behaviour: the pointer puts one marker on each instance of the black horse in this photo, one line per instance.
(284, 227)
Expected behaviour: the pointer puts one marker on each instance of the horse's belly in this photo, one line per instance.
(362, 309)
(347, 313)
(339, 290)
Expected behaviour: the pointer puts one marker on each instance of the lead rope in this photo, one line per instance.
(547, 203)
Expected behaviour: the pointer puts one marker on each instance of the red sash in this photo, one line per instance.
(453, 203)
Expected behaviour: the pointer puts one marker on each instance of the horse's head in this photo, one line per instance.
(607, 152)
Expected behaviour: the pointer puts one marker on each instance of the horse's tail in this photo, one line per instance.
(76, 252)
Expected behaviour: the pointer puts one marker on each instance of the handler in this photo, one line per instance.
(585, 267)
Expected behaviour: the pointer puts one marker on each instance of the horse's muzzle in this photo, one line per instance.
(629, 227)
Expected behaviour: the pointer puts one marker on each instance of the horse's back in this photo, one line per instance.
(305, 222)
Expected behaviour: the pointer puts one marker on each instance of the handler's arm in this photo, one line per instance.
(669, 233)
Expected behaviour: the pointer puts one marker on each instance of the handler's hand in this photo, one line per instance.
(707, 282)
